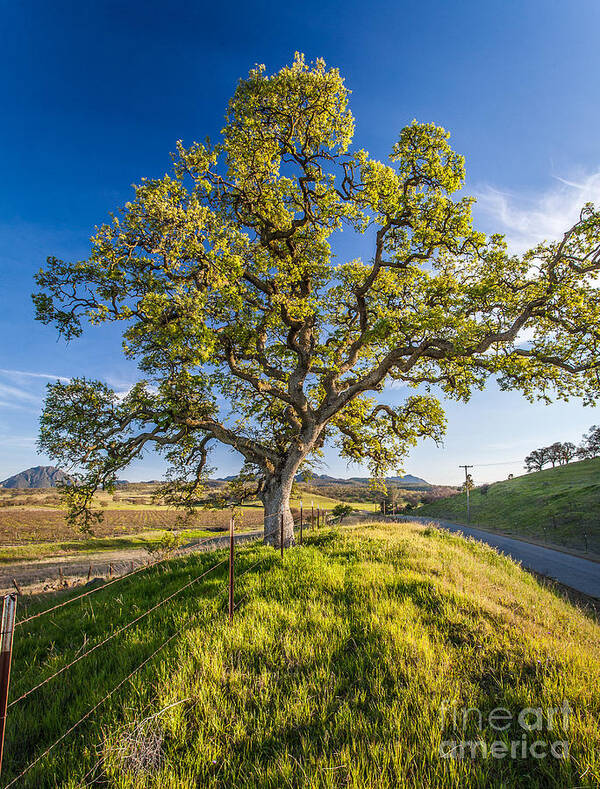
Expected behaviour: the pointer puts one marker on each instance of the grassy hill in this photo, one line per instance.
(334, 673)
(559, 505)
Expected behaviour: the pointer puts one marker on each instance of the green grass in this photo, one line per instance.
(558, 505)
(333, 673)
(48, 550)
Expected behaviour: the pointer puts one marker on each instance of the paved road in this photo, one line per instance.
(580, 574)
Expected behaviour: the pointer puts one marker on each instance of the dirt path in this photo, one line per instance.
(43, 575)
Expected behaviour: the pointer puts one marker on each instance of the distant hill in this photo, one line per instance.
(559, 505)
(36, 477)
(324, 479)
(407, 479)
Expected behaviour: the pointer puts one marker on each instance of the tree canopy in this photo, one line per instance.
(248, 329)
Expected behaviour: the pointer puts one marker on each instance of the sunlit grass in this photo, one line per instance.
(558, 505)
(333, 673)
(47, 550)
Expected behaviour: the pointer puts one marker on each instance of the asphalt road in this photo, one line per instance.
(580, 574)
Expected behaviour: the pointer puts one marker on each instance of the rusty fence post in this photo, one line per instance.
(89, 573)
(231, 566)
(300, 521)
(9, 609)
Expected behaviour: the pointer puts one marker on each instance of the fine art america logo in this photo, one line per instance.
(528, 723)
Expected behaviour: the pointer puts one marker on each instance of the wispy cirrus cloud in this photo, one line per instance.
(23, 390)
(528, 219)
(26, 374)
(15, 393)
(17, 442)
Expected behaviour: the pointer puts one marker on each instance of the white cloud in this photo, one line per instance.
(23, 390)
(16, 394)
(527, 220)
(19, 442)
(23, 374)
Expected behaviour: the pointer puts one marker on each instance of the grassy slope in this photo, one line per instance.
(333, 673)
(565, 500)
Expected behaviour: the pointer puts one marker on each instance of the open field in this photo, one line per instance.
(334, 673)
(32, 524)
(11, 554)
(560, 506)
(28, 526)
(29, 534)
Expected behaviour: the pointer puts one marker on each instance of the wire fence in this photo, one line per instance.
(9, 625)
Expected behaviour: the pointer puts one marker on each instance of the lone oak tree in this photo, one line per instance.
(248, 331)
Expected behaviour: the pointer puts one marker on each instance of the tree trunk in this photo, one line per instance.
(276, 499)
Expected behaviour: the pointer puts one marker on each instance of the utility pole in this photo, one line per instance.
(467, 489)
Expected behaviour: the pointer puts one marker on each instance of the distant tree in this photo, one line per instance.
(393, 499)
(378, 491)
(555, 453)
(537, 459)
(484, 489)
(342, 511)
(511, 476)
(590, 445)
(248, 330)
(559, 452)
(568, 451)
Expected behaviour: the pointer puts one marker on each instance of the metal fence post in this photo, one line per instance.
(231, 568)
(300, 521)
(9, 609)
(281, 533)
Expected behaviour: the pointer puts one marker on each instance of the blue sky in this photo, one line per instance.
(96, 94)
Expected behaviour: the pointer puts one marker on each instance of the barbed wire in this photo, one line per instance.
(84, 717)
(140, 569)
(107, 584)
(165, 643)
(115, 633)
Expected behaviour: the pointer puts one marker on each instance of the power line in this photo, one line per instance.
(467, 487)
(501, 463)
